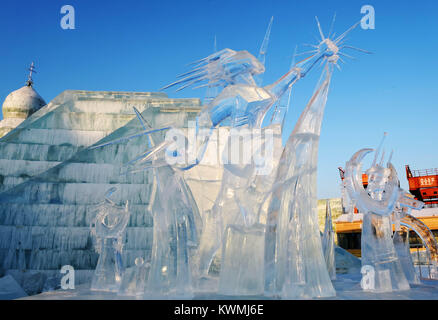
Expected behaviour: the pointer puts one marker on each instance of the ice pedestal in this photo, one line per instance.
(378, 252)
(242, 267)
(401, 244)
(108, 273)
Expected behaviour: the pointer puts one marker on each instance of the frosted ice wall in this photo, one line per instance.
(51, 182)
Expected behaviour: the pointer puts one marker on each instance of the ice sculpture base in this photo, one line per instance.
(242, 267)
(106, 276)
(378, 252)
(401, 244)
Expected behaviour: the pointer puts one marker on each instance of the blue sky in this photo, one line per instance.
(134, 45)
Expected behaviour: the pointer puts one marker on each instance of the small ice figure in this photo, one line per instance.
(377, 203)
(134, 279)
(328, 242)
(108, 228)
(401, 244)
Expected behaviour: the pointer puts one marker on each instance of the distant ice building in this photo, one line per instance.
(19, 105)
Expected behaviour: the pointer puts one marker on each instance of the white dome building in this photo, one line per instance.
(19, 105)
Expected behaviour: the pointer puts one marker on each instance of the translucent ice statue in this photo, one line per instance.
(401, 244)
(377, 203)
(294, 261)
(328, 242)
(134, 279)
(175, 231)
(176, 220)
(108, 229)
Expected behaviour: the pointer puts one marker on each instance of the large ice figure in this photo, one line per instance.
(294, 261)
(174, 237)
(377, 203)
(176, 223)
(108, 228)
(245, 106)
(328, 242)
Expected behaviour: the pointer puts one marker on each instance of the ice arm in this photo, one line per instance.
(279, 87)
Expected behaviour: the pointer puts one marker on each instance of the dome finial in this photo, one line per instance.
(29, 81)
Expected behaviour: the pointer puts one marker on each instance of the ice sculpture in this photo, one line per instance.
(242, 260)
(294, 261)
(134, 279)
(377, 203)
(426, 236)
(328, 242)
(108, 229)
(401, 245)
(175, 232)
(235, 217)
(245, 105)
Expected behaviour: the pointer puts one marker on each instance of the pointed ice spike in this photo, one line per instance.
(264, 47)
(330, 36)
(142, 120)
(212, 57)
(205, 85)
(288, 94)
(346, 55)
(189, 78)
(190, 72)
(125, 139)
(189, 84)
(306, 52)
(378, 149)
(263, 50)
(382, 158)
(161, 146)
(140, 157)
(357, 49)
(390, 156)
(319, 28)
(292, 64)
(145, 124)
(345, 33)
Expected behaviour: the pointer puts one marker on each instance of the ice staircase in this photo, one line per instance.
(51, 182)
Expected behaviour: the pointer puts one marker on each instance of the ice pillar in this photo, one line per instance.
(294, 261)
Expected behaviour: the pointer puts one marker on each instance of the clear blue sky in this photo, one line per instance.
(135, 45)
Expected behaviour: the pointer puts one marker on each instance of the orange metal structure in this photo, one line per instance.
(423, 184)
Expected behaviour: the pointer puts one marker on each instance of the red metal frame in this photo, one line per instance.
(423, 184)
